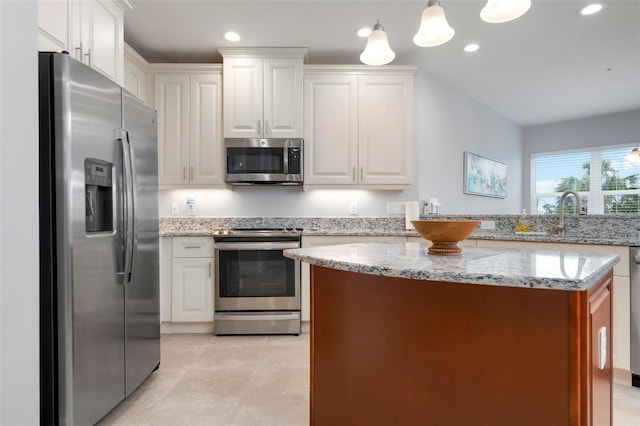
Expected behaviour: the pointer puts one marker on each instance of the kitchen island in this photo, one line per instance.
(492, 337)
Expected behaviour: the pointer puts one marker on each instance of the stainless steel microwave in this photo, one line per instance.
(264, 161)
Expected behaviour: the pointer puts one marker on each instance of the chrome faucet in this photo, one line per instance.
(560, 226)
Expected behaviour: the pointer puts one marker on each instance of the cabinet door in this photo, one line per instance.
(205, 136)
(102, 37)
(385, 129)
(54, 25)
(330, 129)
(243, 100)
(134, 79)
(600, 366)
(172, 103)
(282, 98)
(192, 292)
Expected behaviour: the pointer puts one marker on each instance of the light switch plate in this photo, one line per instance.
(353, 208)
(175, 208)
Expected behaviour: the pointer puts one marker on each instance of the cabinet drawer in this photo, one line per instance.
(192, 247)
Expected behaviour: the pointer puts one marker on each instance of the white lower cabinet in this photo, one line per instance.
(311, 241)
(192, 279)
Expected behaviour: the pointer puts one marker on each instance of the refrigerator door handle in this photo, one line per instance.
(127, 203)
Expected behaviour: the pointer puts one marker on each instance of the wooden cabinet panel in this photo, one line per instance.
(600, 364)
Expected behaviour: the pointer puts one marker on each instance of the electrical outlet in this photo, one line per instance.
(487, 224)
(353, 208)
(395, 208)
(175, 208)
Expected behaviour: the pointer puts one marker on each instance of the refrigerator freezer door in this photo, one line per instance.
(87, 110)
(142, 302)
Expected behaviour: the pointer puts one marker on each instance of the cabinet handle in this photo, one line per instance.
(259, 128)
(79, 52)
(353, 174)
(210, 272)
(192, 170)
(192, 247)
(602, 347)
(184, 172)
(267, 130)
(88, 55)
(361, 172)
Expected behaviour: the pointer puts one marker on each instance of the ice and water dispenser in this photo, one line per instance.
(98, 184)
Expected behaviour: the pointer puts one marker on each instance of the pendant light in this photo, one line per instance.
(434, 29)
(498, 11)
(633, 156)
(377, 51)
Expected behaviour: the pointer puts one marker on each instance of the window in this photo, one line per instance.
(606, 183)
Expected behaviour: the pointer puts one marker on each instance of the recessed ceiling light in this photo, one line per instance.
(232, 36)
(364, 32)
(591, 9)
(471, 47)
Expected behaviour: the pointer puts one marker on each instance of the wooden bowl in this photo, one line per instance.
(445, 234)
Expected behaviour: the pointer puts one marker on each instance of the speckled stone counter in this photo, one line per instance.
(497, 267)
(601, 230)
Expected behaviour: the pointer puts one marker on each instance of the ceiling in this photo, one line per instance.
(549, 65)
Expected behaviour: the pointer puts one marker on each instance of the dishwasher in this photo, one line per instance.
(634, 274)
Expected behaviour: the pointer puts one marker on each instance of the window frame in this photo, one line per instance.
(596, 195)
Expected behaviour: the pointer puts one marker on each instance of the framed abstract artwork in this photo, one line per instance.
(484, 176)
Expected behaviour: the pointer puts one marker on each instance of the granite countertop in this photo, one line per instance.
(534, 238)
(499, 267)
(616, 231)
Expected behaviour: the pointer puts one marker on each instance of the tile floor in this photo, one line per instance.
(249, 381)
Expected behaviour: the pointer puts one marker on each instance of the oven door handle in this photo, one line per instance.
(257, 246)
(257, 317)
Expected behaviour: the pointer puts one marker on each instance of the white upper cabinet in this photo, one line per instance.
(135, 79)
(189, 105)
(331, 129)
(263, 92)
(358, 125)
(54, 27)
(92, 31)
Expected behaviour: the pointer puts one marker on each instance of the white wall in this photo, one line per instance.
(611, 129)
(449, 123)
(446, 123)
(19, 371)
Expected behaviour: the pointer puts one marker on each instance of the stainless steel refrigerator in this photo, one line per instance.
(99, 289)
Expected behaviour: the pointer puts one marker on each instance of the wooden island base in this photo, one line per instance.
(394, 351)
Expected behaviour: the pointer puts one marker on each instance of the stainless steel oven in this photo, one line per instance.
(257, 289)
